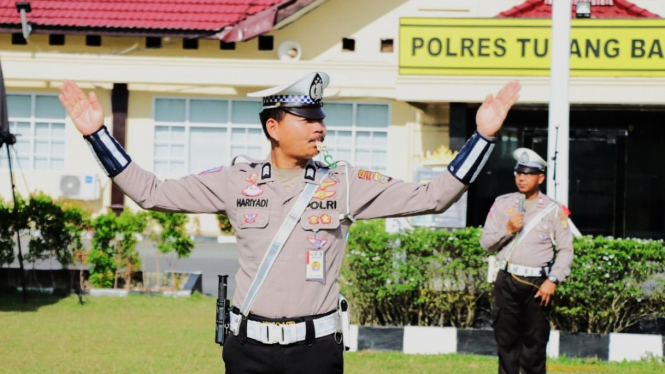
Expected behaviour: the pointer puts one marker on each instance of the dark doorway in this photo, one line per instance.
(617, 167)
(596, 192)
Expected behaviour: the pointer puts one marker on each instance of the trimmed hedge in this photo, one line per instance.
(437, 277)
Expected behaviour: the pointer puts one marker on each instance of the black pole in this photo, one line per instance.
(8, 140)
(24, 291)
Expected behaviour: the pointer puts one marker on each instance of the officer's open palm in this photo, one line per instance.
(85, 111)
(493, 111)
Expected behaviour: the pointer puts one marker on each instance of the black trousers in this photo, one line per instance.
(243, 355)
(252, 357)
(521, 326)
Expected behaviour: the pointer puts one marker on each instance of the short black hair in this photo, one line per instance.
(275, 113)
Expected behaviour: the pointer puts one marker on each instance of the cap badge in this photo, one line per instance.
(524, 157)
(316, 89)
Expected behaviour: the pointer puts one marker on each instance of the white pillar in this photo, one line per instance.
(558, 128)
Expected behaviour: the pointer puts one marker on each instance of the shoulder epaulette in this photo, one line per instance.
(503, 197)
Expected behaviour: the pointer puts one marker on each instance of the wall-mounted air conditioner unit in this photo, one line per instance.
(80, 187)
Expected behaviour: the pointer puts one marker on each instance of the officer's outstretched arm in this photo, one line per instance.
(374, 195)
(192, 194)
(391, 198)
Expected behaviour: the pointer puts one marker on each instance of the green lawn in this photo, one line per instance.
(144, 334)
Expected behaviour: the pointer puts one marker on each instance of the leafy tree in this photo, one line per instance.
(113, 252)
(103, 252)
(59, 226)
(128, 260)
(171, 238)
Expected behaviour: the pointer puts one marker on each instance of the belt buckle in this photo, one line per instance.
(275, 334)
(519, 270)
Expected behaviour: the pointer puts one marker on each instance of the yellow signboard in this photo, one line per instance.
(523, 47)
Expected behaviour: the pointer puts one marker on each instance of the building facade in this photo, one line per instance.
(173, 83)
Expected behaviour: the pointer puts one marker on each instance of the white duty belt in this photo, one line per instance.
(278, 242)
(272, 333)
(523, 271)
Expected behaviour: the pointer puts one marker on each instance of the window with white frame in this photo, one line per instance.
(358, 133)
(193, 135)
(38, 121)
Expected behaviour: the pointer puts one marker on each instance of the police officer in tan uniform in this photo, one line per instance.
(285, 316)
(525, 227)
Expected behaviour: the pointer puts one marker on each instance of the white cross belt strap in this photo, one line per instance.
(270, 333)
(532, 224)
(278, 242)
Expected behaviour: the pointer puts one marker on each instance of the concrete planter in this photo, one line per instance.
(194, 283)
(443, 340)
(64, 281)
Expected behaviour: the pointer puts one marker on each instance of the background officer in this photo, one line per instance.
(525, 227)
(288, 324)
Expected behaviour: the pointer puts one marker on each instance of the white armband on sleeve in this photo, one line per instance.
(472, 157)
(108, 152)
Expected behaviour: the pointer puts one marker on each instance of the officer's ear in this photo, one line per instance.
(272, 127)
(541, 178)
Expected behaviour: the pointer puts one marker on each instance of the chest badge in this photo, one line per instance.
(322, 192)
(251, 218)
(252, 190)
(317, 243)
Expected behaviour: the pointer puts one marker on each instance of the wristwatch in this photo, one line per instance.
(553, 279)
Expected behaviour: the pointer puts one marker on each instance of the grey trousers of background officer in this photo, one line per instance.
(521, 326)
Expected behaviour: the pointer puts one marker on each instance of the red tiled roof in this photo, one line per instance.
(612, 9)
(203, 15)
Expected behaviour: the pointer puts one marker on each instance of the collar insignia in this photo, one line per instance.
(266, 171)
(310, 172)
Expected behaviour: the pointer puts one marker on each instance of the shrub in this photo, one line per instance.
(437, 277)
(426, 277)
(613, 284)
(7, 234)
(225, 225)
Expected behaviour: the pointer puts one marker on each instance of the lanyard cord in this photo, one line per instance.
(517, 237)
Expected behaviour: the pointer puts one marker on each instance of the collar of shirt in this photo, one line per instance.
(542, 200)
(309, 175)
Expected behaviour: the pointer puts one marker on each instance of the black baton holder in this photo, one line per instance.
(223, 308)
